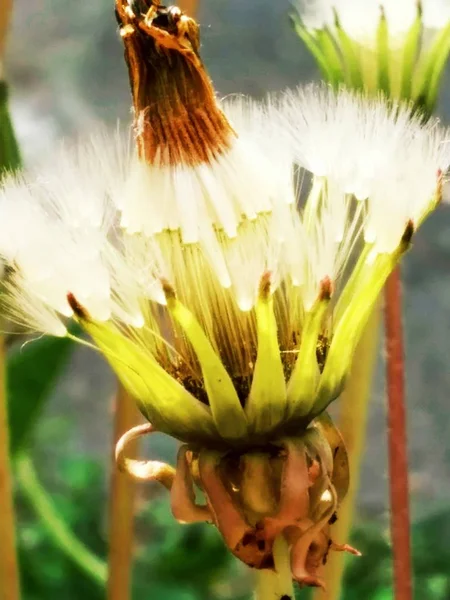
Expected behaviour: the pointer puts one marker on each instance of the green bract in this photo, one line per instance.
(408, 68)
(288, 387)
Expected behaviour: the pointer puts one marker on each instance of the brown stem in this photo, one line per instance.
(9, 568)
(397, 440)
(121, 513)
(5, 17)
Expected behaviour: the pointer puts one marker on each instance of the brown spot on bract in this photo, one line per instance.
(77, 308)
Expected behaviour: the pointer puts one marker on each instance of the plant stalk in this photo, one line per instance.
(277, 584)
(9, 160)
(121, 512)
(353, 417)
(5, 18)
(9, 567)
(397, 440)
(56, 527)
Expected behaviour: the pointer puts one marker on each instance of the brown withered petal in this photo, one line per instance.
(177, 119)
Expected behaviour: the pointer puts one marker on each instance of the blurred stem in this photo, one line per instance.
(55, 525)
(277, 584)
(353, 417)
(5, 16)
(397, 439)
(9, 568)
(189, 7)
(121, 512)
(9, 159)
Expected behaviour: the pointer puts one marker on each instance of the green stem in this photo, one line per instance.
(276, 584)
(57, 529)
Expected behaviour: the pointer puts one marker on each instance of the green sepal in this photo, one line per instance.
(429, 71)
(435, 61)
(162, 400)
(327, 43)
(383, 55)
(227, 412)
(349, 50)
(266, 404)
(351, 287)
(311, 42)
(301, 389)
(410, 54)
(348, 330)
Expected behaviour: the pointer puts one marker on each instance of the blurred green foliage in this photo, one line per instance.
(33, 370)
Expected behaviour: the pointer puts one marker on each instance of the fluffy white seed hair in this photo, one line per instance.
(99, 224)
(94, 222)
(360, 19)
(385, 156)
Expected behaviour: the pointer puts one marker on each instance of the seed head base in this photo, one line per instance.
(292, 488)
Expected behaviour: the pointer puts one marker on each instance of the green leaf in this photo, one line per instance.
(32, 373)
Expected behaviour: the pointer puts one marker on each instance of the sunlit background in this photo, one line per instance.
(67, 74)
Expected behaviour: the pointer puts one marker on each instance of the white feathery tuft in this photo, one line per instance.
(243, 181)
(113, 232)
(387, 158)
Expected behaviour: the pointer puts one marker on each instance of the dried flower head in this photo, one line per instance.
(227, 297)
(398, 46)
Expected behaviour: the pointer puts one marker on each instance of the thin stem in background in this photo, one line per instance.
(122, 500)
(353, 418)
(5, 18)
(397, 440)
(56, 527)
(276, 584)
(9, 568)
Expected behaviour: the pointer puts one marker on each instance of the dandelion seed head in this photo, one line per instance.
(274, 224)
